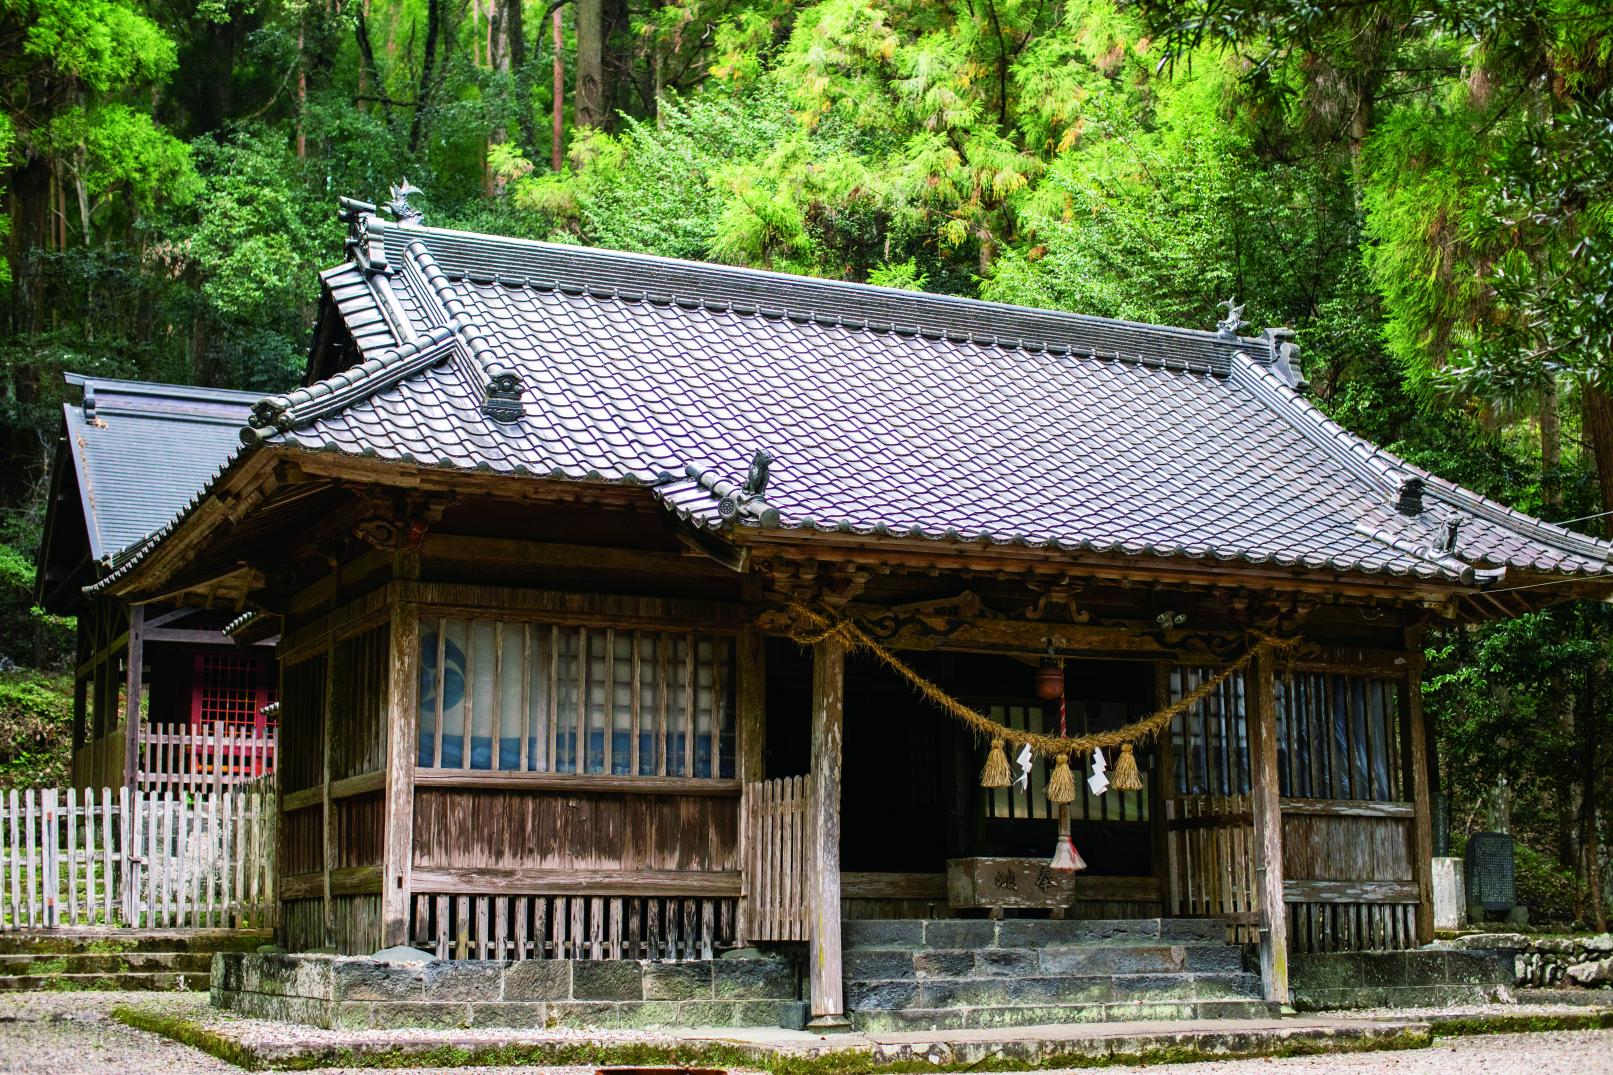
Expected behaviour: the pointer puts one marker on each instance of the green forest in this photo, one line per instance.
(1421, 189)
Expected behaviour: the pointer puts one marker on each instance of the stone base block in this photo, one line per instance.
(345, 992)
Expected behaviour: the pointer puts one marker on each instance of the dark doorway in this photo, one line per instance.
(911, 795)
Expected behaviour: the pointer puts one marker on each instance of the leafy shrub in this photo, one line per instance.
(36, 729)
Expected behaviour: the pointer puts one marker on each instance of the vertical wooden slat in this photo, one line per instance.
(663, 701)
(690, 652)
(439, 689)
(608, 706)
(495, 722)
(633, 708)
(579, 763)
(524, 757)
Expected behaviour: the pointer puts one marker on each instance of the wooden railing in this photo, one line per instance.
(119, 858)
(774, 838)
(475, 926)
(180, 758)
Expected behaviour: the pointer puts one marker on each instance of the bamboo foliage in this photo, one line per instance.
(137, 859)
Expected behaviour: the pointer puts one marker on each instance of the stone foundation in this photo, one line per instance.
(1424, 977)
(1562, 962)
(346, 992)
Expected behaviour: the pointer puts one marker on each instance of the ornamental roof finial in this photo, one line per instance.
(1233, 321)
(399, 206)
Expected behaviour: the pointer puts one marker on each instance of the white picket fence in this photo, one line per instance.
(137, 859)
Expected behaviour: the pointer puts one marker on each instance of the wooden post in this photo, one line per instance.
(1262, 719)
(751, 724)
(131, 705)
(823, 902)
(327, 814)
(1161, 786)
(401, 747)
(1416, 762)
(751, 703)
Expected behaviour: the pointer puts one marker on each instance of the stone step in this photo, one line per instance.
(44, 963)
(898, 963)
(916, 1019)
(104, 941)
(1052, 990)
(974, 933)
(128, 981)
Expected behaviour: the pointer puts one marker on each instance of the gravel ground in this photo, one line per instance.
(69, 1033)
(1558, 1052)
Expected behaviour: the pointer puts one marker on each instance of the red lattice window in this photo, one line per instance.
(230, 689)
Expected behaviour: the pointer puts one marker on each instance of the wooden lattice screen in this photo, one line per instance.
(774, 824)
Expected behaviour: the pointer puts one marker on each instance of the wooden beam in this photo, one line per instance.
(344, 881)
(1416, 762)
(1273, 915)
(575, 882)
(1347, 808)
(346, 788)
(401, 747)
(131, 703)
(823, 870)
(566, 783)
(1351, 891)
(481, 551)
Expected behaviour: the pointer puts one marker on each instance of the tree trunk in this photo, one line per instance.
(1589, 862)
(428, 70)
(1599, 431)
(557, 150)
(515, 34)
(589, 102)
(302, 98)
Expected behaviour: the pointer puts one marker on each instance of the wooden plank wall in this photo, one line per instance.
(463, 831)
(1352, 883)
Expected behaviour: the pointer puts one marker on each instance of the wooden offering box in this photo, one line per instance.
(996, 883)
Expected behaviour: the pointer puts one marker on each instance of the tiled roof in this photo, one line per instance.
(885, 412)
(142, 451)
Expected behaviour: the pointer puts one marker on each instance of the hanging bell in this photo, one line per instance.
(1049, 679)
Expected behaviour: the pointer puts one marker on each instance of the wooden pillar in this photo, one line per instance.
(401, 749)
(751, 715)
(1416, 755)
(1262, 720)
(327, 811)
(1160, 787)
(823, 901)
(135, 654)
(751, 721)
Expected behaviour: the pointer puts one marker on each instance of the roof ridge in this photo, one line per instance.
(604, 294)
(501, 382)
(159, 389)
(280, 413)
(538, 264)
(1381, 468)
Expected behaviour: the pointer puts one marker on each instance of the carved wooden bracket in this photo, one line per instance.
(394, 523)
